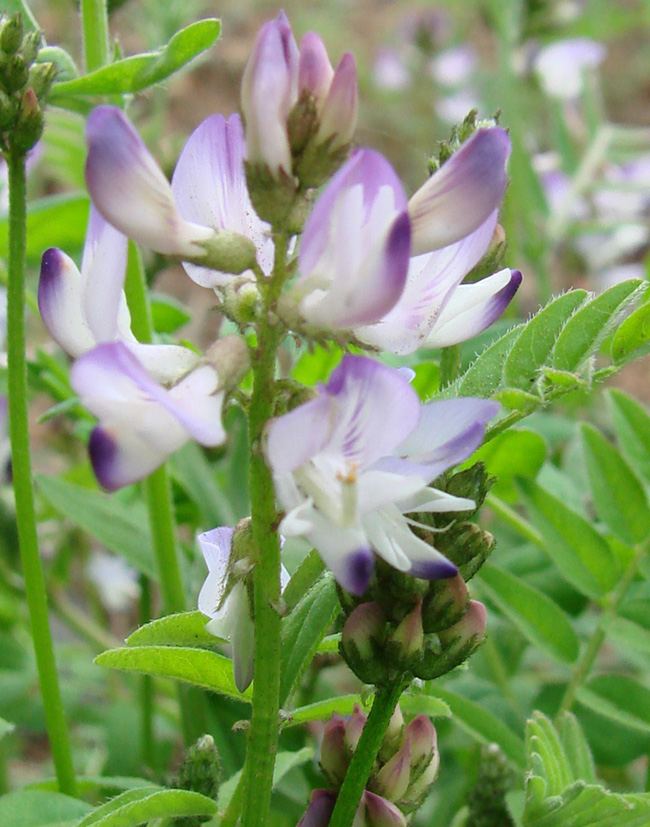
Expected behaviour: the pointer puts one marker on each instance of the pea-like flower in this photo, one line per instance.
(85, 308)
(224, 598)
(350, 463)
(141, 422)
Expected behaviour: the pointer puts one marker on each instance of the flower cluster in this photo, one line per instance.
(362, 264)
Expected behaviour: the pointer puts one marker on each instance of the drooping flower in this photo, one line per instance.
(354, 251)
(131, 192)
(85, 308)
(435, 309)
(350, 463)
(224, 598)
(277, 75)
(141, 422)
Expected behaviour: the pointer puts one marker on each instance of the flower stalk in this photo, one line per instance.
(94, 20)
(22, 481)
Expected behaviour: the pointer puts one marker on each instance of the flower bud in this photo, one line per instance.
(31, 45)
(231, 359)
(393, 736)
(375, 811)
(11, 33)
(240, 300)
(468, 634)
(354, 728)
(29, 127)
(407, 639)
(392, 780)
(444, 604)
(8, 110)
(422, 735)
(320, 809)
(334, 757)
(361, 638)
(15, 74)
(41, 78)
(200, 770)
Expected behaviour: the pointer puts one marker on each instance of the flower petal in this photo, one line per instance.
(215, 546)
(242, 636)
(60, 291)
(209, 185)
(122, 457)
(473, 308)
(462, 194)
(130, 190)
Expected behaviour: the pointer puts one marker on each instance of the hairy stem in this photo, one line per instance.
(94, 21)
(365, 754)
(22, 481)
(263, 736)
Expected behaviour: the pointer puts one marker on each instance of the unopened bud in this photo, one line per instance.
(240, 300)
(407, 639)
(15, 74)
(444, 604)
(362, 636)
(421, 785)
(375, 811)
(231, 359)
(354, 728)
(422, 735)
(393, 736)
(272, 192)
(228, 252)
(392, 780)
(468, 633)
(319, 811)
(8, 110)
(29, 127)
(11, 33)
(31, 44)
(334, 757)
(201, 769)
(41, 78)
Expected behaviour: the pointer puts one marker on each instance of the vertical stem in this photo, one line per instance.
(365, 754)
(22, 481)
(263, 736)
(94, 21)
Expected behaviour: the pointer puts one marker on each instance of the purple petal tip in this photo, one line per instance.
(434, 570)
(102, 449)
(358, 570)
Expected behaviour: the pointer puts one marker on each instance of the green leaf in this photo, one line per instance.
(132, 74)
(91, 783)
(576, 748)
(627, 633)
(196, 666)
(284, 763)
(56, 221)
(185, 629)
(542, 739)
(581, 555)
(123, 529)
(533, 613)
(533, 347)
(588, 327)
(632, 339)
(620, 698)
(303, 629)
(514, 453)
(618, 496)
(321, 710)
(419, 703)
(303, 578)
(481, 724)
(632, 424)
(37, 808)
(167, 313)
(139, 806)
(66, 68)
(485, 375)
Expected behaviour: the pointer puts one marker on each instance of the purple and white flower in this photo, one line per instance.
(350, 463)
(82, 309)
(561, 66)
(354, 252)
(435, 309)
(141, 422)
(209, 186)
(227, 603)
(276, 75)
(131, 191)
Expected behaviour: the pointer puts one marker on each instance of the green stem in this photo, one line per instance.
(586, 662)
(94, 21)
(365, 754)
(22, 481)
(262, 742)
(147, 737)
(449, 365)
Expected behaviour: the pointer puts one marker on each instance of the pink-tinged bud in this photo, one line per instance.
(338, 117)
(334, 757)
(392, 780)
(320, 809)
(422, 735)
(420, 786)
(354, 728)
(375, 811)
(408, 638)
(469, 630)
(364, 629)
(444, 604)
(315, 70)
(269, 91)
